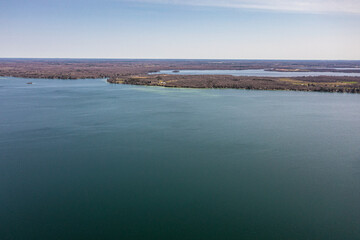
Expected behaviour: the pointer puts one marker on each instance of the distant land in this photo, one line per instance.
(136, 72)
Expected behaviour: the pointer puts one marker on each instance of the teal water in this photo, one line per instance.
(259, 73)
(88, 160)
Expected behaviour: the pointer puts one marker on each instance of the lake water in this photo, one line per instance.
(83, 159)
(257, 73)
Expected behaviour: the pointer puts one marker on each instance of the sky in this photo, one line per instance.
(187, 29)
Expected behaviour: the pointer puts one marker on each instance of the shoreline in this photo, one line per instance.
(310, 84)
(136, 72)
(305, 84)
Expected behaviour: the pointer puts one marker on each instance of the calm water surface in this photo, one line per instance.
(258, 73)
(88, 160)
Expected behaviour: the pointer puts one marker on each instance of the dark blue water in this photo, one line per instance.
(258, 73)
(88, 160)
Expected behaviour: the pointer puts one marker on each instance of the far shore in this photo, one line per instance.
(136, 72)
(313, 84)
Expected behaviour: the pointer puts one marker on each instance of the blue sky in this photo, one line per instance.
(227, 29)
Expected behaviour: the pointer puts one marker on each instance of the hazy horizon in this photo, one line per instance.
(185, 59)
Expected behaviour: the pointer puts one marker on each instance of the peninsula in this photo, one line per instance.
(137, 72)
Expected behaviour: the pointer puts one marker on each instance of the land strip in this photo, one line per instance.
(319, 84)
(136, 72)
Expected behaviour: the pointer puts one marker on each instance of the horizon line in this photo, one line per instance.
(229, 59)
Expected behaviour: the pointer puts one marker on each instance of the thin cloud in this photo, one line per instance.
(309, 6)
